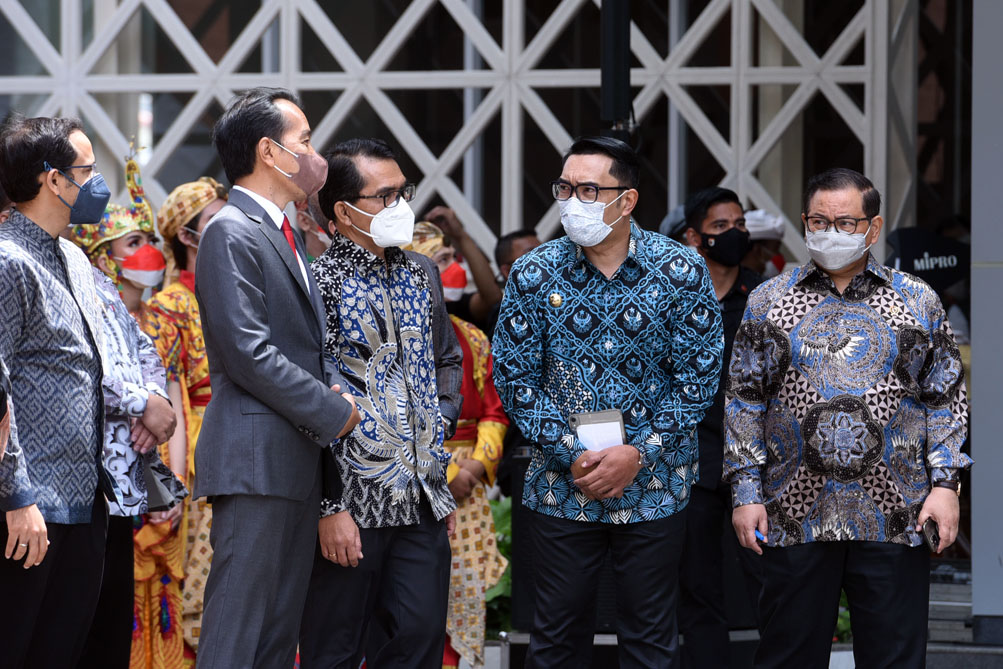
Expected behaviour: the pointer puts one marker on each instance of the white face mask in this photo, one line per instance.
(583, 223)
(833, 250)
(393, 226)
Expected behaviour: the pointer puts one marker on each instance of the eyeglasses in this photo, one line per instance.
(587, 193)
(391, 198)
(847, 225)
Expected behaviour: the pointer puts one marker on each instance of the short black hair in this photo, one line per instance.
(249, 117)
(626, 168)
(503, 248)
(839, 178)
(699, 203)
(26, 144)
(344, 181)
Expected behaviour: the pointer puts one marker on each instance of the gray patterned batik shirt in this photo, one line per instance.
(50, 341)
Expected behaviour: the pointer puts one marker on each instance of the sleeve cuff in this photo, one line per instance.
(746, 488)
(575, 451)
(649, 445)
(135, 399)
(939, 474)
(329, 507)
(18, 500)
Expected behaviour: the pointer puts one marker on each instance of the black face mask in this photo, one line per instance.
(727, 248)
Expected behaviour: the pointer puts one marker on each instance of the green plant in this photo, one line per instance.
(499, 597)
(843, 633)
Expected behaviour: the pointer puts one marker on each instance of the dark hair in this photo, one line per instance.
(344, 181)
(178, 248)
(26, 144)
(503, 248)
(699, 203)
(249, 117)
(840, 178)
(626, 167)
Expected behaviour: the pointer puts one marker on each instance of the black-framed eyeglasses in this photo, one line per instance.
(587, 193)
(391, 198)
(846, 224)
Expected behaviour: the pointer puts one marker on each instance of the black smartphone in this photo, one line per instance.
(932, 534)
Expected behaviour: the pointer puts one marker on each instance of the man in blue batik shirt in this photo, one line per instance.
(609, 317)
(845, 414)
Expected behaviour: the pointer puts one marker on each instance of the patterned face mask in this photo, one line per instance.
(583, 223)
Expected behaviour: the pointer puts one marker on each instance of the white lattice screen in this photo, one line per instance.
(75, 75)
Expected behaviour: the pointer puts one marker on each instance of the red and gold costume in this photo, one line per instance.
(169, 616)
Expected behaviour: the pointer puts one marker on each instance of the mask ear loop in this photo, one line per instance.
(294, 155)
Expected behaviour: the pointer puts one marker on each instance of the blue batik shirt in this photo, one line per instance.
(50, 339)
(389, 333)
(646, 341)
(841, 410)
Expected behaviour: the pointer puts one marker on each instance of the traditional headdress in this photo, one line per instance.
(427, 240)
(185, 203)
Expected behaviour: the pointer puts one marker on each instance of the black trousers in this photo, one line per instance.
(396, 596)
(109, 643)
(47, 610)
(567, 559)
(703, 620)
(888, 590)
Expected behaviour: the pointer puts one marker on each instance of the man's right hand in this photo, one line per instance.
(339, 539)
(26, 534)
(353, 419)
(746, 520)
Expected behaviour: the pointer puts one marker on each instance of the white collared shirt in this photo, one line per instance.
(276, 215)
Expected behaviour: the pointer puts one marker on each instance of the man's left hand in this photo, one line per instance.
(451, 524)
(941, 505)
(615, 469)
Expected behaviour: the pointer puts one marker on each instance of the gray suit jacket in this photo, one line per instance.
(272, 409)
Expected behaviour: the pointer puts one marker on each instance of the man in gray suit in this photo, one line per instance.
(275, 402)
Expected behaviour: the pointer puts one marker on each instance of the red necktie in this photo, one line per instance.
(287, 230)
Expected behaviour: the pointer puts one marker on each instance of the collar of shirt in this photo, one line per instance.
(31, 231)
(343, 247)
(874, 275)
(744, 283)
(272, 209)
(634, 247)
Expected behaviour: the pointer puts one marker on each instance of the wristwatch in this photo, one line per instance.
(950, 485)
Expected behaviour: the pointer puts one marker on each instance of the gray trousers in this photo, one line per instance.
(262, 556)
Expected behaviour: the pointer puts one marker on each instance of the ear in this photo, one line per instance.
(342, 215)
(876, 224)
(692, 237)
(629, 200)
(48, 180)
(102, 263)
(265, 151)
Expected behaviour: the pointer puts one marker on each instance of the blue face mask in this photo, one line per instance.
(91, 200)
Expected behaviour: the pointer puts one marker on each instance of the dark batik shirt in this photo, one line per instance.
(390, 335)
(843, 409)
(646, 341)
(50, 340)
